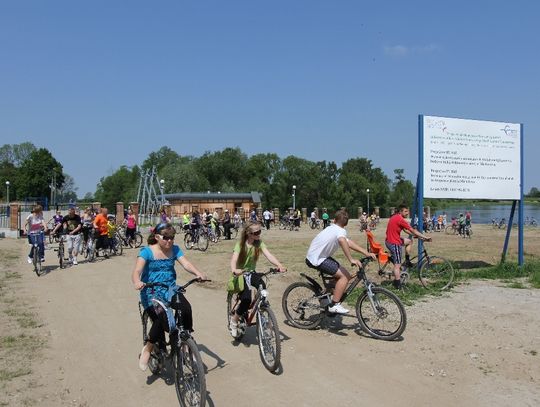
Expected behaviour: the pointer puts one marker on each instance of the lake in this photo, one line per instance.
(484, 213)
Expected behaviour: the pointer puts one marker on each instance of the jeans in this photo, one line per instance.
(40, 240)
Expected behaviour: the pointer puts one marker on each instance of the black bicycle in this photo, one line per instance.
(380, 312)
(260, 314)
(61, 251)
(34, 238)
(129, 241)
(199, 237)
(181, 349)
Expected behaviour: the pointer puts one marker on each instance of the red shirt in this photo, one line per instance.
(395, 225)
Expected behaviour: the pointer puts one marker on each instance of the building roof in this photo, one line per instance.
(201, 196)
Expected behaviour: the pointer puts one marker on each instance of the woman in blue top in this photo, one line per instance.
(155, 263)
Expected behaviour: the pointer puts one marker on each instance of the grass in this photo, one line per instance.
(508, 272)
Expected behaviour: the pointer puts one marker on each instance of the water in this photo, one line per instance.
(485, 213)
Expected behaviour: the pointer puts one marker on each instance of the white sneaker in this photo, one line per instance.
(75, 262)
(233, 329)
(30, 260)
(338, 309)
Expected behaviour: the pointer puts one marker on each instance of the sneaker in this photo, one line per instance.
(233, 328)
(337, 308)
(42, 259)
(75, 262)
(144, 357)
(30, 260)
(397, 284)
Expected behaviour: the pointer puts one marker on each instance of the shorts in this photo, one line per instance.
(396, 251)
(328, 266)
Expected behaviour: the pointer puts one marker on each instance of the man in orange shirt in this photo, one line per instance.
(100, 224)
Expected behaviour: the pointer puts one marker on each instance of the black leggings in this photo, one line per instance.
(160, 324)
(245, 295)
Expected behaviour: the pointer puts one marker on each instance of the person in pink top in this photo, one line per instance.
(394, 242)
(131, 225)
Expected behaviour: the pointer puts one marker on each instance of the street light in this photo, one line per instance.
(367, 190)
(161, 186)
(7, 191)
(294, 197)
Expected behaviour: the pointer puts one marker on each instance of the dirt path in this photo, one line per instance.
(477, 346)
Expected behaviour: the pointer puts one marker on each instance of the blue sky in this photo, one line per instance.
(104, 83)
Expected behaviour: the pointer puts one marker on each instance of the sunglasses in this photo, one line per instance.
(257, 233)
(166, 238)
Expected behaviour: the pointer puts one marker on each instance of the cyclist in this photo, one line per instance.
(111, 231)
(87, 220)
(394, 242)
(35, 224)
(100, 225)
(321, 250)
(56, 220)
(131, 225)
(185, 221)
(244, 262)
(325, 219)
(155, 263)
(72, 223)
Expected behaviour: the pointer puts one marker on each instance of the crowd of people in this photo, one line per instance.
(77, 229)
(156, 263)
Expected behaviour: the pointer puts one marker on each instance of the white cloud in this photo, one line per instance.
(400, 51)
(396, 50)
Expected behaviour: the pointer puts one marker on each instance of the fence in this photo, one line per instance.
(4, 216)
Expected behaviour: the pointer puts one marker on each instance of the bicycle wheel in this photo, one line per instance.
(138, 240)
(189, 377)
(269, 339)
(61, 256)
(154, 363)
(38, 268)
(450, 230)
(436, 272)
(383, 316)
(202, 242)
(188, 241)
(116, 247)
(301, 306)
(91, 250)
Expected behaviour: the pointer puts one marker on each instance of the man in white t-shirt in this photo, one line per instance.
(321, 249)
(267, 216)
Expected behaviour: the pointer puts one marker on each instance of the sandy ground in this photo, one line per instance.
(476, 346)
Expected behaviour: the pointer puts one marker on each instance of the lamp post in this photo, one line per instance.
(162, 188)
(294, 197)
(367, 190)
(7, 191)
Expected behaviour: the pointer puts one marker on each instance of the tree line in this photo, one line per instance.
(33, 172)
(321, 183)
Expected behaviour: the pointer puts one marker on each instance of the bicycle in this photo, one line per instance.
(452, 229)
(197, 237)
(315, 223)
(379, 311)
(61, 252)
(135, 242)
(115, 245)
(189, 378)
(89, 247)
(433, 271)
(498, 224)
(267, 328)
(34, 238)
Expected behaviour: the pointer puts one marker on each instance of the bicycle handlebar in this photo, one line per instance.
(182, 287)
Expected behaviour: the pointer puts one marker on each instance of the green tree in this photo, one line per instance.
(225, 170)
(68, 191)
(16, 154)
(161, 159)
(35, 175)
(534, 193)
(120, 186)
(356, 176)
